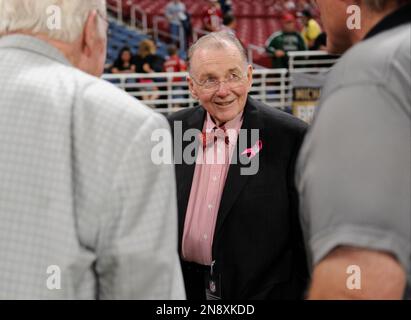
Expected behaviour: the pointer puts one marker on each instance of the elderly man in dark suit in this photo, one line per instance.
(239, 235)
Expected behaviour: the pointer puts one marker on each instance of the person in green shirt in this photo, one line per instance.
(281, 42)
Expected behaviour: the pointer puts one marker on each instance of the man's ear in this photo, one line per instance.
(90, 33)
(250, 76)
(191, 88)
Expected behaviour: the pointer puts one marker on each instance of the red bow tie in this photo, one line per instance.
(208, 138)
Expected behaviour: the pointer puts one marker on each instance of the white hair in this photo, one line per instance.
(217, 40)
(39, 17)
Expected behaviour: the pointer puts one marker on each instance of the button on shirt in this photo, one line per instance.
(210, 173)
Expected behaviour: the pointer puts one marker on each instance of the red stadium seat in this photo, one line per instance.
(256, 19)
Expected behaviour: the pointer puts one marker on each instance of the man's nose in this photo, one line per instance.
(223, 89)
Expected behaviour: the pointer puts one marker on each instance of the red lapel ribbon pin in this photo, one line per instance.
(254, 150)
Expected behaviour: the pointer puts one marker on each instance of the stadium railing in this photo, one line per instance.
(142, 22)
(271, 86)
(157, 31)
(310, 61)
(299, 61)
(274, 87)
(251, 48)
(117, 8)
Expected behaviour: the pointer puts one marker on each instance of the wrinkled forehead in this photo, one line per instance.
(217, 61)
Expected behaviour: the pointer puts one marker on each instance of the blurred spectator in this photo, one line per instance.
(147, 61)
(188, 30)
(280, 7)
(212, 16)
(175, 13)
(281, 42)
(226, 6)
(311, 28)
(229, 23)
(290, 6)
(306, 5)
(175, 64)
(321, 42)
(123, 62)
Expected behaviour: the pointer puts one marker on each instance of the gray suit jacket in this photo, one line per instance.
(84, 211)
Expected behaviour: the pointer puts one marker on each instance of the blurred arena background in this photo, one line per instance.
(294, 88)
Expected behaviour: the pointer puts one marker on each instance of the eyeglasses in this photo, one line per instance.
(234, 80)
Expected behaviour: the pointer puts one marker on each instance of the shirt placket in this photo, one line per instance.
(214, 181)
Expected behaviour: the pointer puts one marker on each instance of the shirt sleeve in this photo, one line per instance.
(354, 175)
(313, 30)
(137, 251)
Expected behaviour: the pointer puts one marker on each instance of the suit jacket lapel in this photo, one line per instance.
(236, 181)
(185, 172)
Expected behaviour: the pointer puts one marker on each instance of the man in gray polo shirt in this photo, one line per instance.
(353, 171)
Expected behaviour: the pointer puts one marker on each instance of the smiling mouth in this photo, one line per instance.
(224, 103)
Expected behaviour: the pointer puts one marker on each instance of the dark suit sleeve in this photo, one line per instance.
(171, 123)
(300, 256)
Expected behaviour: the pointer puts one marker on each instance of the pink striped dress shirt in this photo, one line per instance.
(213, 162)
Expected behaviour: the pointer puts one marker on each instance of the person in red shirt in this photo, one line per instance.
(212, 16)
(175, 64)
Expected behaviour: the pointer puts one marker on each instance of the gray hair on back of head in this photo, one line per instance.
(36, 16)
(217, 40)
